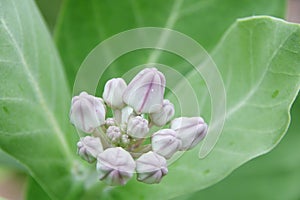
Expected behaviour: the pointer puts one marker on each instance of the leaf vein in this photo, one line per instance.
(255, 88)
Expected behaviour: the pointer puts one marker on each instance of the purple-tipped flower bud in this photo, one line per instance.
(165, 143)
(89, 148)
(190, 130)
(146, 91)
(151, 167)
(113, 93)
(114, 133)
(137, 127)
(87, 112)
(115, 166)
(164, 115)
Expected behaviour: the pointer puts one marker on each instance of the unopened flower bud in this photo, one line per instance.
(115, 166)
(151, 167)
(137, 127)
(146, 90)
(110, 122)
(87, 112)
(190, 130)
(114, 133)
(125, 139)
(164, 115)
(113, 93)
(89, 147)
(165, 143)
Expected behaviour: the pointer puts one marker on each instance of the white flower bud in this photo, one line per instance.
(190, 130)
(110, 122)
(87, 112)
(165, 143)
(115, 166)
(113, 93)
(164, 115)
(137, 127)
(89, 147)
(151, 167)
(125, 139)
(114, 133)
(146, 91)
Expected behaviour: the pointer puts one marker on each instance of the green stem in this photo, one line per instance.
(103, 138)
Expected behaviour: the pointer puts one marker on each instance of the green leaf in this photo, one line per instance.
(34, 100)
(82, 25)
(274, 176)
(8, 161)
(34, 191)
(258, 59)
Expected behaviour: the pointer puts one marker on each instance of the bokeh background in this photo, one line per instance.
(275, 175)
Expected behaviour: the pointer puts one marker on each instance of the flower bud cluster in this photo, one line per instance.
(118, 143)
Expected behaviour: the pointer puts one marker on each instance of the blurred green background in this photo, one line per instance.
(273, 176)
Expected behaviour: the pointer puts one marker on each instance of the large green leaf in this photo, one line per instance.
(274, 176)
(258, 59)
(34, 99)
(84, 24)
